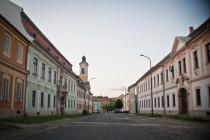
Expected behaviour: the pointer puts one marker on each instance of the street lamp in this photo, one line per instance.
(150, 63)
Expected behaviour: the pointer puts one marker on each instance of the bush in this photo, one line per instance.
(85, 112)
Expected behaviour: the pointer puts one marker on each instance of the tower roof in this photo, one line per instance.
(84, 59)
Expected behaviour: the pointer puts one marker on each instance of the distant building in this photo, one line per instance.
(99, 102)
(133, 99)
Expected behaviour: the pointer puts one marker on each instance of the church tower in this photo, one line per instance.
(83, 70)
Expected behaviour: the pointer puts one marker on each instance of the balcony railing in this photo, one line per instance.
(62, 89)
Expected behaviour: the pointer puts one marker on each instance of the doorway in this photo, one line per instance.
(183, 104)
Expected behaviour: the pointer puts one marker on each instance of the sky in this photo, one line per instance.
(113, 33)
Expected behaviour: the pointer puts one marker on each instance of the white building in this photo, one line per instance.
(180, 81)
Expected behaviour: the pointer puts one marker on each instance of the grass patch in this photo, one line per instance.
(7, 127)
(32, 120)
(188, 118)
(37, 119)
(150, 115)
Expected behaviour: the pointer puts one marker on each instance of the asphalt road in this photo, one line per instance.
(123, 127)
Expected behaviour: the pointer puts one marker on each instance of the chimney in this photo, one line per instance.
(190, 29)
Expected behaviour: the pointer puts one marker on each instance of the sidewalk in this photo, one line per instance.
(33, 129)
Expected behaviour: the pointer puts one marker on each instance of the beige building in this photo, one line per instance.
(181, 80)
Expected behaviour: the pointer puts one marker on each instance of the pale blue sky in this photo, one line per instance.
(113, 33)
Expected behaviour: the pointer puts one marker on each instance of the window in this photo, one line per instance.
(184, 65)
(209, 94)
(162, 101)
(146, 103)
(174, 103)
(71, 86)
(167, 75)
(34, 98)
(161, 77)
(148, 84)
(65, 83)
(83, 70)
(74, 88)
(149, 103)
(42, 99)
(68, 103)
(6, 44)
(5, 89)
(54, 101)
(198, 97)
(49, 74)
(155, 102)
(168, 104)
(158, 79)
(208, 52)
(71, 104)
(172, 71)
(180, 67)
(35, 65)
(55, 78)
(18, 91)
(195, 55)
(19, 53)
(43, 71)
(158, 101)
(154, 82)
(48, 103)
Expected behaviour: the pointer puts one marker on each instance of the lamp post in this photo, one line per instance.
(150, 63)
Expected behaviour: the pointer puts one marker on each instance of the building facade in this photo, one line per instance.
(13, 60)
(180, 81)
(85, 82)
(132, 100)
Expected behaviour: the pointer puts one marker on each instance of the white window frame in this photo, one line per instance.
(5, 76)
(8, 54)
(19, 55)
(18, 91)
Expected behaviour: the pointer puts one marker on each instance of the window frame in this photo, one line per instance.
(174, 100)
(198, 100)
(33, 102)
(49, 74)
(18, 90)
(184, 65)
(195, 59)
(8, 52)
(35, 66)
(3, 94)
(208, 52)
(42, 100)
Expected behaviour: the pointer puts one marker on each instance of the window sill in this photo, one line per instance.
(35, 74)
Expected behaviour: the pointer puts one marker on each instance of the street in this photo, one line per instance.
(113, 126)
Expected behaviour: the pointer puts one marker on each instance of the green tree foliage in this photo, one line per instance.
(118, 104)
(108, 107)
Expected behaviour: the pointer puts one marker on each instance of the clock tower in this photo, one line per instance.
(83, 70)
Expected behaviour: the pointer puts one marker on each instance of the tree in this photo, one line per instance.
(108, 107)
(118, 104)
